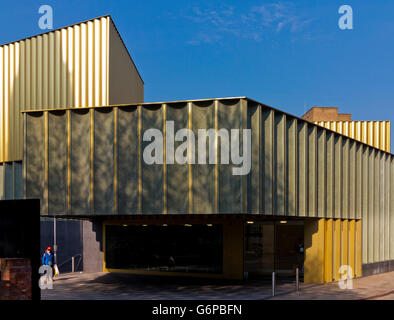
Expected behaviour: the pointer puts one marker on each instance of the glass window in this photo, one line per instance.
(259, 248)
(290, 247)
(174, 248)
(274, 246)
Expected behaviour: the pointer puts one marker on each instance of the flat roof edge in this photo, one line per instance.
(135, 104)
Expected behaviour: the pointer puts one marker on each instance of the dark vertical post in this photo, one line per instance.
(273, 283)
(54, 241)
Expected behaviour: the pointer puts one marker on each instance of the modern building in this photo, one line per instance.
(308, 186)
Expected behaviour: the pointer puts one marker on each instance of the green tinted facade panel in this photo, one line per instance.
(203, 185)
(35, 161)
(229, 115)
(291, 166)
(177, 175)
(11, 180)
(104, 161)
(80, 162)
(321, 173)
(267, 152)
(365, 203)
(279, 164)
(302, 162)
(57, 162)
(152, 174)
(254, 194)
(312, 172)
(127, 160)
(330, 174)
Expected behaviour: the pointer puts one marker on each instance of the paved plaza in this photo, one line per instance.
(117, 286)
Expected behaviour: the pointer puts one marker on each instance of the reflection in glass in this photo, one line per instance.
(176, 248)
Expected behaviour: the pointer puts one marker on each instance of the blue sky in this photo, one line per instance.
(288, 54)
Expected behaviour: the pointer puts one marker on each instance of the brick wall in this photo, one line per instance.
(15, 279)
(326, 114)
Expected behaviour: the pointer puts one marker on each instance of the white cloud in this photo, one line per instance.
(254, 23)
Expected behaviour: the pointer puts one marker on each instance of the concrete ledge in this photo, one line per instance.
(378, 267)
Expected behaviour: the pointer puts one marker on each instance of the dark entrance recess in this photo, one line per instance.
(274, 246)
(172, 248)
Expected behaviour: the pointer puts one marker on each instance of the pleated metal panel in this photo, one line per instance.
(330, 174)
(34, 164)
(338, 176)
(312, 172)
(204, 191)
(63, 68)
(364, 196)
(302, 169)
(230, 114)
(298, 168)
(321, 173)
(128, 142)
(80, 167)
(345, 179)
(291, 168)
(266, 146)
(376, 201)
(57, 162)
(279, 167)
(177, 193)
(104, 161)
(374, 133)
(371, 213)
(336, 242)
(352, 180)
(152, 176)
(254, 195)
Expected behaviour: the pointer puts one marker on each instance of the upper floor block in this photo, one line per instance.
(82, 65)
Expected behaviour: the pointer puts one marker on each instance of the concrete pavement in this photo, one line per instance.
(116, 286)
(375, 287)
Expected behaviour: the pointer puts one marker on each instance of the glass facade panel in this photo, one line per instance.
(289, 247)
(259, 248)
(274, 246)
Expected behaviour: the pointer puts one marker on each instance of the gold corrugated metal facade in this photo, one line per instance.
(373, 133)
(62, 68)
(89, 163)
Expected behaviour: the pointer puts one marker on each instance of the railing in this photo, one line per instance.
(72, 262)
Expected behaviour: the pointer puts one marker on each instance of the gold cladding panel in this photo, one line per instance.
(62, 68)
(373, 133)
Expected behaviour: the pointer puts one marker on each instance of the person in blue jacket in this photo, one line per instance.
(48, 259)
